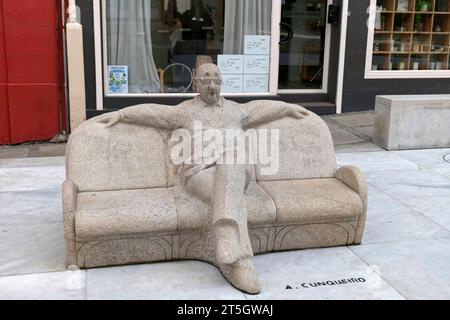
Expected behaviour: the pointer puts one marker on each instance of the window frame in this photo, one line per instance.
(273, 73)
(391, 74)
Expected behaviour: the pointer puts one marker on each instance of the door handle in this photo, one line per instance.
(290, 33)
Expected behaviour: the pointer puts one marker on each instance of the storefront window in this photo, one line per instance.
(409, 35)
(155, 46)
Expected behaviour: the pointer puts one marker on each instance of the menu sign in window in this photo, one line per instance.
(232, 83)
(257, 44)
(231, 63)
(247, 73)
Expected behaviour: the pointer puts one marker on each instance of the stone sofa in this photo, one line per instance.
(123, 203)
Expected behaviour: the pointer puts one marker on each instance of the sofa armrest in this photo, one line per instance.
(69, 200)
(354, 179)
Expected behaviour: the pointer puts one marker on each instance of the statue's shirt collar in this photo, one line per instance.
(218, 106)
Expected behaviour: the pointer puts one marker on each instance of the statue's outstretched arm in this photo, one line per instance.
(267, 111)
(151, 115)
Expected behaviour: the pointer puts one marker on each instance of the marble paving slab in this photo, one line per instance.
(423, 191)
(355, 119)
(389, 220)
(429, 158)
(342, 136)
(28, 207)
(32, 162)
(404, 184)
(33, 248)
(187, 280)
(67, 285)
(375, 161)
(442, 171)
(357, 147)
(294, 275)
(432, 159)
(417, 269)
(31, 178)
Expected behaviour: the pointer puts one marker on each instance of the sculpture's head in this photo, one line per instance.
(208, 82)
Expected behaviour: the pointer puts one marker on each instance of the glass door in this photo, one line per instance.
(304, 43)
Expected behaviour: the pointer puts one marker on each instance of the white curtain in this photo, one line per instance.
(182, 5)
(245, 17)
(130, 43)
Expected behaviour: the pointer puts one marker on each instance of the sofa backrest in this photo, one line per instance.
(132, 157)
(306, 148)
(122, 157)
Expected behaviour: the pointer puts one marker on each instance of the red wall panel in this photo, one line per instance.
(30, 70)
(35, 108)
(31, 40)
(3, 74)
(4, 115)
(30, 54)
(30, 13)
(2, 40)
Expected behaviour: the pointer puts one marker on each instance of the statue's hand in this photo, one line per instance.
(295, 111)
(110, 119)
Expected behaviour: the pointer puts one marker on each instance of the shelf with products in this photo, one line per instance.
(439, 61)
(411, 35)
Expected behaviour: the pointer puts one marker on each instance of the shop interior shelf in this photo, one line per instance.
(409, 37)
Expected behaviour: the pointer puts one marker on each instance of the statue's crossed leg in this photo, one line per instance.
(223, 187)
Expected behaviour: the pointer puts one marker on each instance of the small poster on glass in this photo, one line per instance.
(257, 44)
(230, 63)
(402, 5)
(118, 79)
(232, 83)
(256, 64)
(256, 83)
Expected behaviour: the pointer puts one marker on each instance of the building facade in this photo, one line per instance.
(331, 56)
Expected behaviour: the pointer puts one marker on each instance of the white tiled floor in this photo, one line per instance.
(405, 251)
(69, 285)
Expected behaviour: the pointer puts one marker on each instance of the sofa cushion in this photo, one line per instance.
(313, 200)
(194, 213)
(113, 213)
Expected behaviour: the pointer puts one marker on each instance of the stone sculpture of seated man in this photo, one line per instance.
(221, 185)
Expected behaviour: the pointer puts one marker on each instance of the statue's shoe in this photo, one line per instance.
(242, 275)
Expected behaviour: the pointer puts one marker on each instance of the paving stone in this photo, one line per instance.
(423, 191)
(31, 178)
(429, 159)
(417, 269)
(342, 136)
(357, 147)
(68, 285)
(185, 280)
(50, 150)
(7, 152)
(281, 271)
(366, 130)
(355, 119)
(28, 207)
(32, 248)
(32, 162)
(375, 161)
(389, 220)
